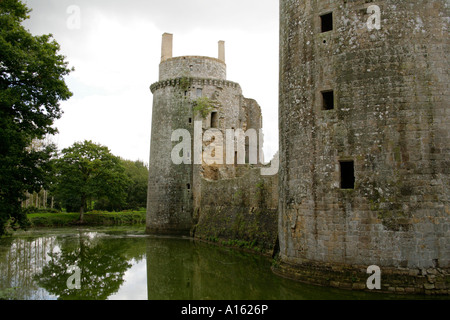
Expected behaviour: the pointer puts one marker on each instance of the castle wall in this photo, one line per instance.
(389, 120)
(170, 200)
(251, 114)
(241, 211)
(176, 191)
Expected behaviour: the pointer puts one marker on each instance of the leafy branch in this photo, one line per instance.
(185, 83)
(203, 106)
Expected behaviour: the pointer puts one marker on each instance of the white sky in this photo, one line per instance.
(116, 53)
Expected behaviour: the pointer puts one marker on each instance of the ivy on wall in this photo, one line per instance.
(203, 106)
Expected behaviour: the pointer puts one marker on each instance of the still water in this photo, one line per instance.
(125, 263)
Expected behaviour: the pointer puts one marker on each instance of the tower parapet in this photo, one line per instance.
(192, 67)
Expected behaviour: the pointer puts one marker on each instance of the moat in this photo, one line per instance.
(126, 264)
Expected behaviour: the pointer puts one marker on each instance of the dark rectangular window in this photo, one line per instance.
(347, 174)
(214, 119)
(328, 100)
(326, 21)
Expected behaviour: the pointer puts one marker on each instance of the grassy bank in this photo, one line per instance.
(90, 219)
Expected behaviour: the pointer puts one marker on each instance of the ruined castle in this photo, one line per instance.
(206, 155)
(364, 148)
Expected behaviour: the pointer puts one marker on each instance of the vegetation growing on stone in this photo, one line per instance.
(203, 106)
(185, 83)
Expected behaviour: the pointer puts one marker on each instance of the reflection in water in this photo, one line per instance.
(20, 260)
(102, 265)
(37, 267)
(195, 271)
(127, 264)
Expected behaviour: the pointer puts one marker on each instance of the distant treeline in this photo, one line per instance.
(85, 177)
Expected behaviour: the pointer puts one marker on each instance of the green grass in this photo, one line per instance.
(94, 218)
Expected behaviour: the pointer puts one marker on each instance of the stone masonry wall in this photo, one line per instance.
(170, 201)
(388, 120)
(176, 191)
(192, 66)
(240, 211)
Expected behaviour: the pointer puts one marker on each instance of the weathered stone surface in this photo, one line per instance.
(200, 199)
(192, 66)
(390, 116)
(240, 211)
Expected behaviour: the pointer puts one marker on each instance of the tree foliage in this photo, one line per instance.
(203, 106)
(137, 173)
(31, 88)
(88, 171)
(136, 189)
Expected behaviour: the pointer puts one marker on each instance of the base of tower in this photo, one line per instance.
(430, 281)
(167, 231)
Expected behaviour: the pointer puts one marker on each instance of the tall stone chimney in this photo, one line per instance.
(222, 51)
(166, 48)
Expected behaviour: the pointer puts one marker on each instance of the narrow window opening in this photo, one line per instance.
(214, 119)
(247, 149)
(328, 100)
(188, 186)
(235, 158)
(327, 22)
(347, 174)
(185, 93)
(190, 120)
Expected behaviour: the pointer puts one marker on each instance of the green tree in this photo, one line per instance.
(88, 171)
(137, 173)
(136, 190)
(31, 87)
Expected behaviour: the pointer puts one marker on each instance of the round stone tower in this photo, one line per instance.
(364, 143)
(174, 188)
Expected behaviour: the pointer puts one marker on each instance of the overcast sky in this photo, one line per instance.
(115, 47)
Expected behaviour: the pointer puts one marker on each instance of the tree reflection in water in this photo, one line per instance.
(102, 265)
(122, 264)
